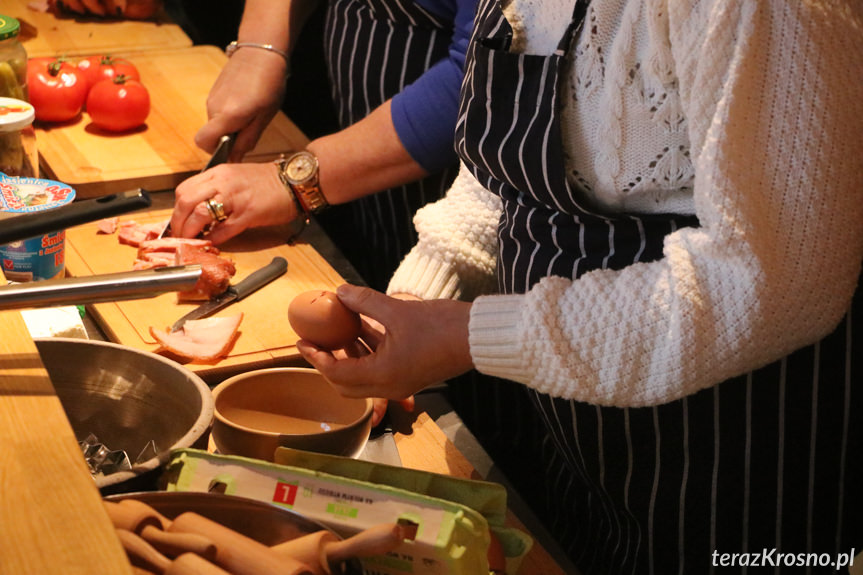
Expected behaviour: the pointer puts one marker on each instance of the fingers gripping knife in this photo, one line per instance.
(220, 156)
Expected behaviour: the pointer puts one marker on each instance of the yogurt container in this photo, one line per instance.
(42, 257)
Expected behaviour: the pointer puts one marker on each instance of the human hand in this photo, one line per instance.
(252, 196)
(380, 406)
(244, 99)
(413, 344)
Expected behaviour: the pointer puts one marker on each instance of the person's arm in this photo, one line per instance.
(250, 88)
(774, 124)
(424, 113)
(406, 138)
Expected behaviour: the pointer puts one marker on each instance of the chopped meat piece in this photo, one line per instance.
(172, 244)
(107, 225)
(216, 271)
(133, 233)
(201, 340)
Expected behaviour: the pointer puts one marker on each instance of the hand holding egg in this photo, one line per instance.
(319, 317)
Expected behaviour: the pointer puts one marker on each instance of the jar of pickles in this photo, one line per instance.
(13, 60)
(19, 156)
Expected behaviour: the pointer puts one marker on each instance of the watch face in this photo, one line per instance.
(301, 168)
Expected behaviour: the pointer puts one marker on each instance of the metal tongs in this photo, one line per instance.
(97, 288)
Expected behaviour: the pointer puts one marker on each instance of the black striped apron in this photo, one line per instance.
(374, 48)
(767, 461)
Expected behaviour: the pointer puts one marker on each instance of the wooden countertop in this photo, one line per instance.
(52, 513)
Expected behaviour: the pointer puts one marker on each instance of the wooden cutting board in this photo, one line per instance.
(266, 338)
(44, 34)
(162, 153)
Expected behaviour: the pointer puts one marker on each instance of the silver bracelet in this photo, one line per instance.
(234, 46)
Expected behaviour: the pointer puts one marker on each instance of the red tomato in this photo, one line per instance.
(106, 67)
(57, 89)
(118, 105)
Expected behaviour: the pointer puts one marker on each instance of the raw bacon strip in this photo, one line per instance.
(201, 340)
(173, 244)
(133, 233)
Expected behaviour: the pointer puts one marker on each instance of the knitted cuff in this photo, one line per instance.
(426, 277)
(495, 332)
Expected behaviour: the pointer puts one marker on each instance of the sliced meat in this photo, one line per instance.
(107, 225)
(216, 272)
(132, 233)
(201, 340)
(172, 244)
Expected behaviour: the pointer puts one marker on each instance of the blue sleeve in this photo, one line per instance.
(424, 113)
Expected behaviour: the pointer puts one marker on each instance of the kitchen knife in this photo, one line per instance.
(220, 156)
(381, 446)
(253, 282)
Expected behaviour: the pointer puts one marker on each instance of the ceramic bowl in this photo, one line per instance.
(258, 411)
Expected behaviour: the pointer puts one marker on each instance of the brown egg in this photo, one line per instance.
(320, 317)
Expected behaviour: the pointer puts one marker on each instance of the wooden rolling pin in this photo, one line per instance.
(237, 553)
(321, 550)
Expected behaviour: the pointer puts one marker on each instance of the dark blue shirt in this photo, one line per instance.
(424, 113)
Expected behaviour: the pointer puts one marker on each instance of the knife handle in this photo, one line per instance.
(37, 223)
(261, 277)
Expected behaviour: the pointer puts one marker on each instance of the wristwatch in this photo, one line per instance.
(299, 172)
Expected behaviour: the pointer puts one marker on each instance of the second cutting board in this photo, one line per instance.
(163, 153)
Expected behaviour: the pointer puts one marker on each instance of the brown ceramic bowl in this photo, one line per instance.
(258, 411)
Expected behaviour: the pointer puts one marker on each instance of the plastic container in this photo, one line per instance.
(19, 155)
(13, 60)
(42, 257)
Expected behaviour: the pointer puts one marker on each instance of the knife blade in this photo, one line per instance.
(381, 446)
(235, 293)
(220, 156)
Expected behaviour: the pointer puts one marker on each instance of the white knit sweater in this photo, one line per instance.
(748, 113)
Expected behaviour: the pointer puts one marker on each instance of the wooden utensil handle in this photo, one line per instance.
(130, 518)
(237, 553)
(141, 553)
(175, 544)
(192, 564)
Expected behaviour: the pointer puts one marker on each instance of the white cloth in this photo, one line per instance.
(766, 98)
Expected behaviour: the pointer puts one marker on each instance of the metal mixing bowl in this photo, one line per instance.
(127, 398)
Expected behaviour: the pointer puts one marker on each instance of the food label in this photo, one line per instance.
(41, 257)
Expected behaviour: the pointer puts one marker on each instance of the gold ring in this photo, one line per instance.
(217, 210)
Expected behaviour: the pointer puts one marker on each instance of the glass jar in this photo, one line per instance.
(19, 156)
(13, 60)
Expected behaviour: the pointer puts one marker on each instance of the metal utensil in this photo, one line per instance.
(138, 284)
(381, 448)
(26, 226)
(234, 293)
(220, 156)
